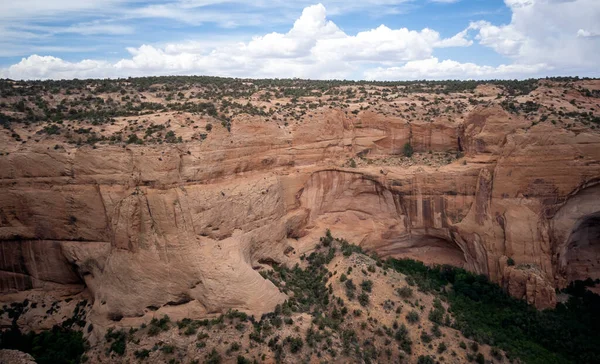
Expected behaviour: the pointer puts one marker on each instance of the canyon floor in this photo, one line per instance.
(127, 201)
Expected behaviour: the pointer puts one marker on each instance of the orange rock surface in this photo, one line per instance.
(186, 226)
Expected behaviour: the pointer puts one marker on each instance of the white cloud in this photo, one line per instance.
(38, 67)
(587, 34)
(25, 31)
(176, 12)
(15, 50)
(257, 12)
(314, 48)
(40, 10)
(6, 33)
(546, 31)
(97, 28)
(459, 40)
(544, 36)
(310, 28)
(432, 68)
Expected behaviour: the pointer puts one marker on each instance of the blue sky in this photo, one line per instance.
(368, 39)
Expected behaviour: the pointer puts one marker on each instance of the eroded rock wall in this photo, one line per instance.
(165, 227)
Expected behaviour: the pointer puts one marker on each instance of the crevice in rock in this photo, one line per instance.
(115, 316)
(269, 261)
(183, 300)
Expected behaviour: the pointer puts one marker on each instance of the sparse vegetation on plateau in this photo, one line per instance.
(335, 319)
(484, 312)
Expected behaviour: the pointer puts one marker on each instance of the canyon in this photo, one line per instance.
(185, 228)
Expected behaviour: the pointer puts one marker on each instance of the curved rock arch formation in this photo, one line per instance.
(361, 209)
(576, 231)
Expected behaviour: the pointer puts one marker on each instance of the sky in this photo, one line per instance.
(333, 39)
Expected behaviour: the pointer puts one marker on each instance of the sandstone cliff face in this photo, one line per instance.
(183, 229)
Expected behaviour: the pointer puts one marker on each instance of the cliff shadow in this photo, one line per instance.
(576, 235)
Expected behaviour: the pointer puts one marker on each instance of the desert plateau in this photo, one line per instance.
(206, 219)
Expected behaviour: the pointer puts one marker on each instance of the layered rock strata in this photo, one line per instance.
(186, 227)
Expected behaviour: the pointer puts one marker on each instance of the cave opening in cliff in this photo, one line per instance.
(427, 248)
(436, 250)
(583, 252)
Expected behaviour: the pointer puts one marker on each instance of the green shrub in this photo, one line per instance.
(134, 139)
(141, 354)
(348, 249)
(404, 341)
(167, 349)
(405, 292)
(235, 346)
(242, 360)
(202, 336)
(327, 239)
(52, 129)
(117, 340)
(496, 353)
(213, 357)
(153, 331)
(350, 288)
(295, 343)
(159, 325)
(425, 337)
(407, 150)
(190, 331)
(441, 347)
(60, 345)
(483, 310)
(437, 313)
(435, 330)
(425, 359)
(479, 358)
(363, 299)
(367, 285)
(412, 317)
